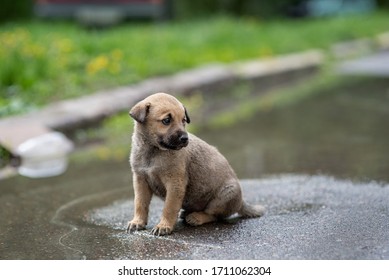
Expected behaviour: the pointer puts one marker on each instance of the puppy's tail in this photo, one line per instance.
(251, 211)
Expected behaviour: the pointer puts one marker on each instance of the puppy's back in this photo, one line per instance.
(208, 169)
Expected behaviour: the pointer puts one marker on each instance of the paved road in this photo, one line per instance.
(307, 218)
(374, 65)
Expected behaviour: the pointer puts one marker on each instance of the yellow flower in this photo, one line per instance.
(33, 50)
(97, 64)
(10, 39)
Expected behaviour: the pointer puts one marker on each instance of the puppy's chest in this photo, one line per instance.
(153, 178)
(152, 170)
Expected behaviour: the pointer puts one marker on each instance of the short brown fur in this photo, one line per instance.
(186, 172)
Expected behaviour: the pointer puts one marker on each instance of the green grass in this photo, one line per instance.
(43, 62)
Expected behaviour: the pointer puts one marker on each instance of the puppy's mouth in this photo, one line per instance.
(172, 147)
(175, 143)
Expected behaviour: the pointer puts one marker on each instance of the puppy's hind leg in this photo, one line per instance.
(199, 218)
(227, 201)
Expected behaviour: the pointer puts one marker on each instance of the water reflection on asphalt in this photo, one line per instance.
(343, 132)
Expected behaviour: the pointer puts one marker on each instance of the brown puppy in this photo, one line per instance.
(180, 168)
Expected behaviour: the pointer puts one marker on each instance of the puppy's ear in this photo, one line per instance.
(187, 116)
(140, 111)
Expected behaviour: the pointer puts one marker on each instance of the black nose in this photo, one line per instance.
(184, 138)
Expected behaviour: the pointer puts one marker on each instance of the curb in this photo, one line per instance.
(359, 47)
(69, 115)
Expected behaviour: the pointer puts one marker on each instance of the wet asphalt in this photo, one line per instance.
(308, 217)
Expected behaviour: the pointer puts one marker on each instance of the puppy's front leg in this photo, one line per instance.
(173, 203)
(142, 200)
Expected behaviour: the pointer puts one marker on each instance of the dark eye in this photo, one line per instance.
(166, 121)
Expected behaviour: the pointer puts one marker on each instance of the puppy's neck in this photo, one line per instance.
(140, 138)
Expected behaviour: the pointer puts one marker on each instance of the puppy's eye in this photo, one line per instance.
(166, 121)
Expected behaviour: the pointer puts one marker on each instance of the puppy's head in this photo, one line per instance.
(161, 120)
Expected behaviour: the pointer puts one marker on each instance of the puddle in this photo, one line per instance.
(343, 133)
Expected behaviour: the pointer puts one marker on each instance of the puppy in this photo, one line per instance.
(180, 168)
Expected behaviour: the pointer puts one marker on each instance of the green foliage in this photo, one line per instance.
(44, 62)
(5, 157)
(383, 3)
(15, 9)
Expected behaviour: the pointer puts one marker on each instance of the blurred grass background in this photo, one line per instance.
(46, 61)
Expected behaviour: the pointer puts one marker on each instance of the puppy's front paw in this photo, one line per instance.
(162, 229)
(135, 225)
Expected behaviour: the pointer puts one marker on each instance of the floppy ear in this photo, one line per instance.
(187, 116)
(140, 111)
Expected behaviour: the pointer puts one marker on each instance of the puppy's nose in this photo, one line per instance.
(184, 138)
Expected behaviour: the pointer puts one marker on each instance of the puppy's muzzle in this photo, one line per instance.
(176, 142)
